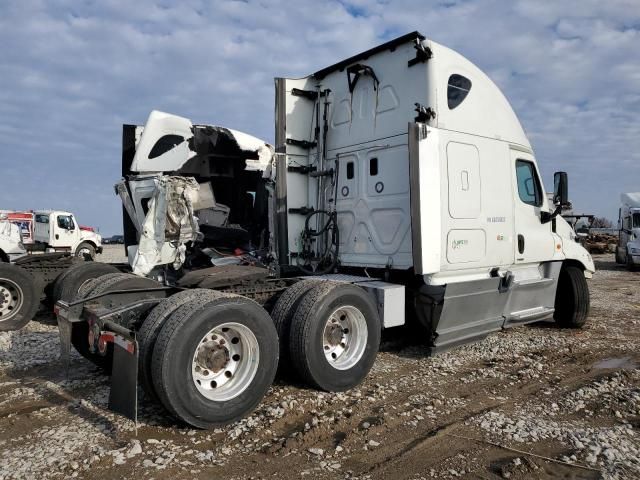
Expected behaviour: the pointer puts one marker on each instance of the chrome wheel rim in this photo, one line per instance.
(225, 362)
(344, 339)
(11, 298)
(84, 252)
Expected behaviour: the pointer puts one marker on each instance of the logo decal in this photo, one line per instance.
(455, 244)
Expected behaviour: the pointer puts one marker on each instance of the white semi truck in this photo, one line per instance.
(628, 249)
(402, 189)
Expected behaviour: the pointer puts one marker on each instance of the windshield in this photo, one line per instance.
(636, 220)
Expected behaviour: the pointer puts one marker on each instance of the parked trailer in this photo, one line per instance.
(628, 249)
(401, 181)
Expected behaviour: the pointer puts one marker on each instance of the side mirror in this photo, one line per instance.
(560, 189)
(560, 196)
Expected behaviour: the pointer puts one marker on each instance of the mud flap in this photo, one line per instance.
(64, 330)
(123, 397)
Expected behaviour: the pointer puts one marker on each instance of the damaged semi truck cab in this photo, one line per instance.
(401, 181)
(192, 184)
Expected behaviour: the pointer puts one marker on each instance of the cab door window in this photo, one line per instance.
(65, 222)
(529, 189)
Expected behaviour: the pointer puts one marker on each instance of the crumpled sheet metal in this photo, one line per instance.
(213, 140)
(197, 140)
(10, 237)
(168, 225)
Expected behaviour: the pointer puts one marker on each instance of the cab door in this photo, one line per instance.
(534, 275)
(534, 241)
(64, 231)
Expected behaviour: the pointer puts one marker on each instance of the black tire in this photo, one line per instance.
(308, 329)
(630, 265)
(150, 329)
(96, 286)
(68, 284)
(19, 297)
(617, 255)
(90, 251)
(80, 330)
(572, 298)
(282, 316)
(175, 348)
(87, 288)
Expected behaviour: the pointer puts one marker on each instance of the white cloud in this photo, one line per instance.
(73, 72)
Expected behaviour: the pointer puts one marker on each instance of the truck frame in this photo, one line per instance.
(401, 189)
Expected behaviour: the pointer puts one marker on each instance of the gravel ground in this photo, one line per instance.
(112, 254)
(530, 402)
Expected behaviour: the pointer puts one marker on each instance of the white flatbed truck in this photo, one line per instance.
(401, 181)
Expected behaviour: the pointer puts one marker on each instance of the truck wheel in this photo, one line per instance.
(630, 265)
(335, 335)
(19, 298)
(103, 284)
(215, 359)
(150, 329)
(282, 315)
(80, 330)
(68, 284)
(90, 285)
(86, 250)
(572, 298)
(618, 257)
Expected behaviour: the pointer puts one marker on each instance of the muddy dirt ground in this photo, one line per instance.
(572, 396)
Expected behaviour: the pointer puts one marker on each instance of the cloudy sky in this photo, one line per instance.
(72, 72)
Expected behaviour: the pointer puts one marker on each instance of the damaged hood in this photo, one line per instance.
(169, 141)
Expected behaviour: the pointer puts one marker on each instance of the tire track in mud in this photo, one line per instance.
(396, 448)
(407, 407)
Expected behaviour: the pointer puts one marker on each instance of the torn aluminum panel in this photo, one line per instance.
(168, 225)
(168, 142)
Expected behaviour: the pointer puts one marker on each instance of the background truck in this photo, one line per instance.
(55, 231)
(29, 281)
(628, 249)
(402, 189)
(59, 231)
